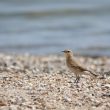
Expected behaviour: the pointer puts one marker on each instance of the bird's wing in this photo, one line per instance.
(79, 68)
(84, 69)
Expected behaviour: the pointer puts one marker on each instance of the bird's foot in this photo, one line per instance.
(77, 80)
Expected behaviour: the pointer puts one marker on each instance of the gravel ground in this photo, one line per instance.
(44, 83)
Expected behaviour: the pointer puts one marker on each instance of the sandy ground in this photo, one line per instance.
(44, 83)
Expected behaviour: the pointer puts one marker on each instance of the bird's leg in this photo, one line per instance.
(77, 79)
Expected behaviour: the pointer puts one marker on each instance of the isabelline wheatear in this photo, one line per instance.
(75, 66)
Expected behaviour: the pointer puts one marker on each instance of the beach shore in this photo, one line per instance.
(30, 82)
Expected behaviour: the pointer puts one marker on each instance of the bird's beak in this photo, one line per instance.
(62, 51)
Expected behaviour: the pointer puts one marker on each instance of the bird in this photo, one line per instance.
(75, 66)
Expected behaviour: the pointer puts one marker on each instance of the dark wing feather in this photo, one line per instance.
(79, 68)
(84, 69)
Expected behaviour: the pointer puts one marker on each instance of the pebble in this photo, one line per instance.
(44, 83)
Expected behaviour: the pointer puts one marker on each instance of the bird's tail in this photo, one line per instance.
(93, 73)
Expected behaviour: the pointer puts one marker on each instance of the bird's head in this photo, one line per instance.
(67, 52)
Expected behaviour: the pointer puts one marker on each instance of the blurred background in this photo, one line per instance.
(49, 26)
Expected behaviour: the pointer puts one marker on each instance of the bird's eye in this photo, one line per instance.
(68, 51)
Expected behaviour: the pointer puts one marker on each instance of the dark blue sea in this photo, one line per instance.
(50, 26)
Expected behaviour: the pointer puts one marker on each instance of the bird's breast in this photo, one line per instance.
(70, 66)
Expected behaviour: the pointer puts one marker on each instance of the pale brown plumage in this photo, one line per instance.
(74, 66)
